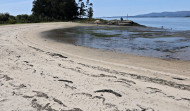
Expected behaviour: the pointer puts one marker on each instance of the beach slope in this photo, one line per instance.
(37, 74)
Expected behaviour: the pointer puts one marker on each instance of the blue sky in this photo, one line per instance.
(107, 7)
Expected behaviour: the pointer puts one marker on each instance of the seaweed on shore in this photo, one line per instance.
(109, 91)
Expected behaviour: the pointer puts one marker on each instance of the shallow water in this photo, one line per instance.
(142, 41)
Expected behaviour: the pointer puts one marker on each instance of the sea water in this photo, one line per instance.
(174, 23)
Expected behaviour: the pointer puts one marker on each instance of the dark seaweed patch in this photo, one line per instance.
(109, 91)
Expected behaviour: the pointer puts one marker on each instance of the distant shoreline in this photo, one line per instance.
(145, 17)
(162, 14)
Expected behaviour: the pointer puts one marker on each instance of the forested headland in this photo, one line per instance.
(52, 11)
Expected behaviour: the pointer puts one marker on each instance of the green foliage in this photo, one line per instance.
(51, 10)
(55, 9)
(23, 18)
(4, 17)
(12, 21)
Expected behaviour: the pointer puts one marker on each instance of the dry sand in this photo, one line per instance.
(37, 74)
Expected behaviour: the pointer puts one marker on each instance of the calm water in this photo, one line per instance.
(178, 23)
(142, 41)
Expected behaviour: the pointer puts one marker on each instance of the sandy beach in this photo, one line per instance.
(38, 74)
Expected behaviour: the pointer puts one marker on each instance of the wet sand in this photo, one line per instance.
(41, 74)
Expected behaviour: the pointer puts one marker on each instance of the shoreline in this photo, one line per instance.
(94, 54)
(69, 36)
(68, 77)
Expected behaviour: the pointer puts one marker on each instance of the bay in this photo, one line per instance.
(174, 23)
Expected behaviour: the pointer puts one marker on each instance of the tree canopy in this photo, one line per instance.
(52, 10)
(55, 9)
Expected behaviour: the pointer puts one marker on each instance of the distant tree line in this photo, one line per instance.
(6, 18)
(52, 10)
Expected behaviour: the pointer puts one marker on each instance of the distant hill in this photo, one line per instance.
(167, 14)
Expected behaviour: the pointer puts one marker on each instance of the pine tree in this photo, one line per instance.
(81, 9)
(90, 11)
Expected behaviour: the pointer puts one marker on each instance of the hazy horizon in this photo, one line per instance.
(107, 8)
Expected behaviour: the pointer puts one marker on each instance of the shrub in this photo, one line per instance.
(12, 21)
